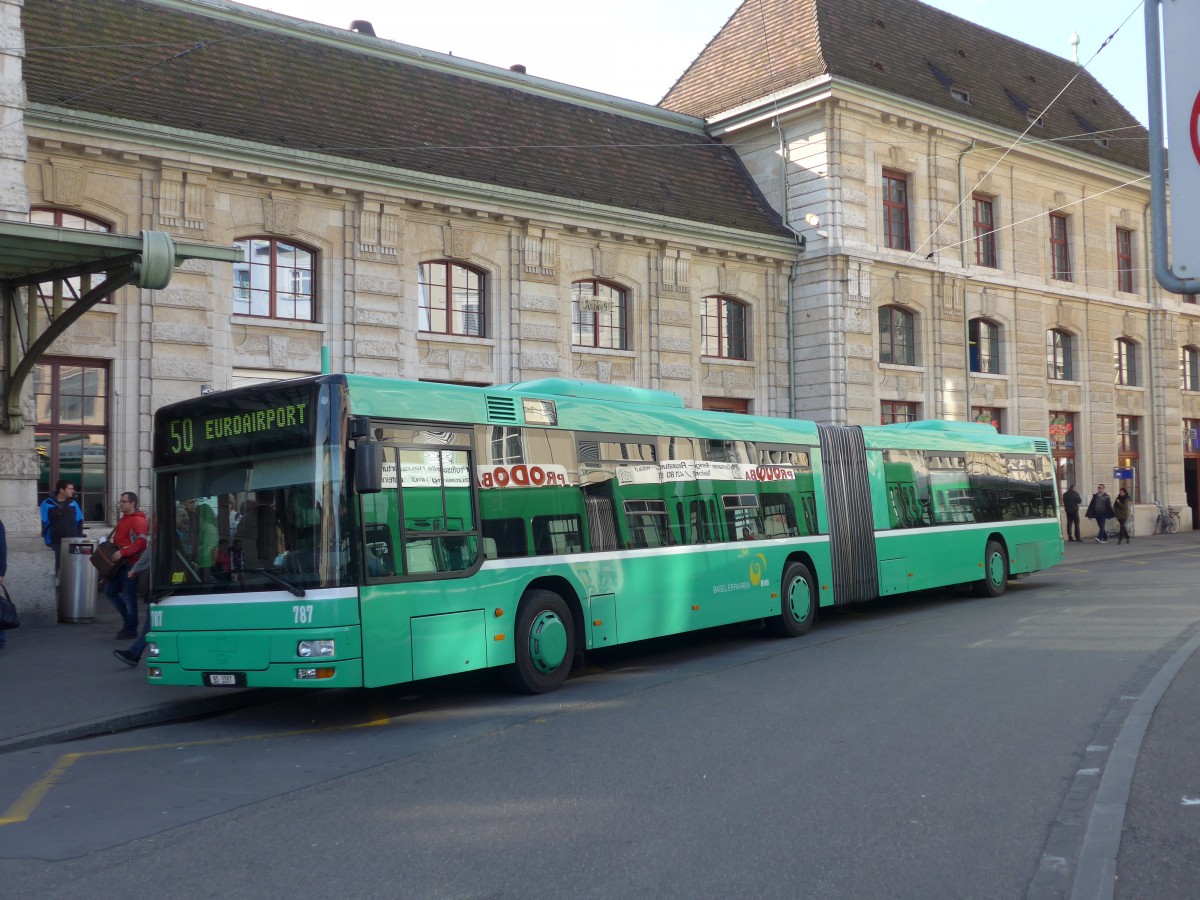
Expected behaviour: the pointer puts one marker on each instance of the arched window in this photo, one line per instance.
(723, 328)
(598, 315)
(1125, 362)
(450, 299)
(72, 288)
(984, 336)
(1189, 368)
(1059, 355)
(897, 343)
(275, 280)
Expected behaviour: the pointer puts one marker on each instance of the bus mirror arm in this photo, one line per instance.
(368, 467)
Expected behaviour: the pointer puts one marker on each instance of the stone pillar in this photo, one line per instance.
(30, 568)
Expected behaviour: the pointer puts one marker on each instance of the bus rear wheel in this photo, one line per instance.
(544, 644)
(798, 606)
(995, 571)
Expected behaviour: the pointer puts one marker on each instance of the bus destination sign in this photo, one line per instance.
(204, 428)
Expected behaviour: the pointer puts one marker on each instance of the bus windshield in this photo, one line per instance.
(253, 524)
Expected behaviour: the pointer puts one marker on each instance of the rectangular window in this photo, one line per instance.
(895, 210)
(984, 349)
(985, 234)
(1062, 447)
(1060, 251)
(71, 432)
(896, 411)
(1128, 428)
(1189, 368)
(1191, 437)
(1125, 260)
(987, 415)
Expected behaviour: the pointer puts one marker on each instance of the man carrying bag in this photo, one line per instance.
(129, 539)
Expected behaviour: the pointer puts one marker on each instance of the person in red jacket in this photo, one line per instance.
(129, 537)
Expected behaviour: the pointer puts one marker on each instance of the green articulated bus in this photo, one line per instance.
(348, 531)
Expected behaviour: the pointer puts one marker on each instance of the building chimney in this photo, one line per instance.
(362, 26)
(517, 68)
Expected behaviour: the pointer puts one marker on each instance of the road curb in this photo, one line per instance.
(1096, 870)
(155, 715)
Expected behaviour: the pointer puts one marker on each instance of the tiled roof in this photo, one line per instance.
(906, 48)
(247, 77)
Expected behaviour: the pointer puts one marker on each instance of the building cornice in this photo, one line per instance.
(57, 124)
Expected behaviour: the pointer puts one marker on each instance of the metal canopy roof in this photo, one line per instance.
(33, 254)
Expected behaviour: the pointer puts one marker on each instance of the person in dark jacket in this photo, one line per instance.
(1071, 503)
(1101, 509)
(61, 517)
(1122, 507)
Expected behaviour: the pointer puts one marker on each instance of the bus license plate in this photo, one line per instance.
(225, 679)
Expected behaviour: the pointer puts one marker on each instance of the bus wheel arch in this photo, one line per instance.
(797, 599)
(995, 568)
(545, 640)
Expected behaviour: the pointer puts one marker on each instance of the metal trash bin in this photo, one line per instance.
(76, 580)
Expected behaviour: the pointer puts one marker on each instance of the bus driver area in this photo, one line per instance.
(389, 531)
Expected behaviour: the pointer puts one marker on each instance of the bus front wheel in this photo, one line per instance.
(995, 571)
(797, 606)
(544, 644)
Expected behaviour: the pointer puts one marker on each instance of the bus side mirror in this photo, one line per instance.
(368, 468)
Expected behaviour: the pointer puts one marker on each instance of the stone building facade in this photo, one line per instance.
(977, 243)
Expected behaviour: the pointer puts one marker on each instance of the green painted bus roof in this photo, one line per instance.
(604, 408)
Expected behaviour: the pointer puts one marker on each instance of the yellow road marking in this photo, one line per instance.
(24, 806)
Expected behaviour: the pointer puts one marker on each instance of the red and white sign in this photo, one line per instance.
(1181, 70)
(521, 475)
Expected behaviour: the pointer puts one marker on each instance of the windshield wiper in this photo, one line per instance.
(274, 575)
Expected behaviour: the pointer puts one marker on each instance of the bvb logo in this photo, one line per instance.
(756, 568)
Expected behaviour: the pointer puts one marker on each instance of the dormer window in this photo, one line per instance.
(1036, 119)
(961, 94)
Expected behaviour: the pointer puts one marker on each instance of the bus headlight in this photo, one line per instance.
(152, 650)
(315, 648)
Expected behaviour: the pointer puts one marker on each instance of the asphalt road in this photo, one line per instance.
(934, 748)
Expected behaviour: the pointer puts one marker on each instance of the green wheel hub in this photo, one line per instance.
(547, 642)
(995, 568)
(798, 599)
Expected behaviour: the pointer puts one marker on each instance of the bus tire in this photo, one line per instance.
(995, 571)
(544, 644)
(798, 606)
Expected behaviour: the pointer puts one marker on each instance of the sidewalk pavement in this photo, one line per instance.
(68, 684)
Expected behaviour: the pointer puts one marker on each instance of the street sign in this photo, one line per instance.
(1181, 66)
(1122, 474)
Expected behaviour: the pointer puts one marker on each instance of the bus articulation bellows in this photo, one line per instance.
(347, 531)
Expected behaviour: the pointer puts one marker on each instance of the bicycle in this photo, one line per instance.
(1112, 527)
(1168, 519)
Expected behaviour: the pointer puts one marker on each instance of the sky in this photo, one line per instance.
(636, 49)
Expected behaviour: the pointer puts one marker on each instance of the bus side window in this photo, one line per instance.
(507, 538)
(779, 516)
(555, 535)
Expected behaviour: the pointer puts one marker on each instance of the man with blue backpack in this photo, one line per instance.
(61, 517)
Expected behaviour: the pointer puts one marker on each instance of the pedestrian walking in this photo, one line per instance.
(1100, 508)
(130, 539)
(1071, 503)
(61, 517)
(138, 573)
(1122, 506)
(3, 572)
